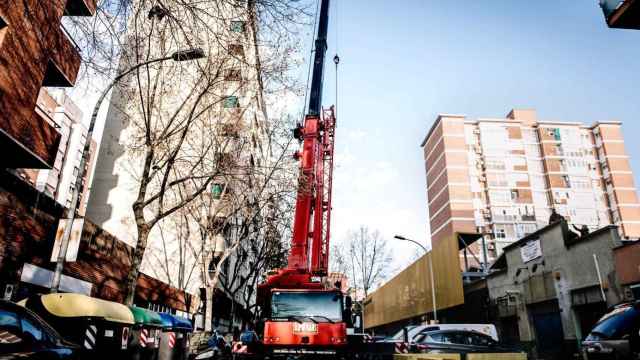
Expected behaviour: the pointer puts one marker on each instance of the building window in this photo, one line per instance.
(500, 234)
(233, 75)
(231, 102)
(567, 182)
(236, 50)
(237, 26)
(217, 190)
(514, 194)
(556, 134)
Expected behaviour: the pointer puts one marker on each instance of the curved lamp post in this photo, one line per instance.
(182, 55)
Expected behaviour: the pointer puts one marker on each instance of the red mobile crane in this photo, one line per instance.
(303, 314)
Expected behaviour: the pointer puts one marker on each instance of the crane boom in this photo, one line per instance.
(303, 312)
(310, 243)
(317, 79)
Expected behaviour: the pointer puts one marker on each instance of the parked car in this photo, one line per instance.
(616, 335)
(414, 330)
(23, 334)
(457, 342)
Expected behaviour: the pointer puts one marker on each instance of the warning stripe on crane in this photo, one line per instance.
(172, 339)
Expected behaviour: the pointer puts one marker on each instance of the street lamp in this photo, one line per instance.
(433, 285)
(182, 55)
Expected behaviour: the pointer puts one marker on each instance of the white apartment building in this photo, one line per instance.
(235, 125)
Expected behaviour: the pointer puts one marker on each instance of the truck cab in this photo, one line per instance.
(303, 321)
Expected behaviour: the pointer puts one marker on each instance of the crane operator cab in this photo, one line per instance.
(307, 322)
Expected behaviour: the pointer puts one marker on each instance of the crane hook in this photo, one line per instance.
(336, 59)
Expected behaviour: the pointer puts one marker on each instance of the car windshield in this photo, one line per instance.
(617, 323)
(319, 306)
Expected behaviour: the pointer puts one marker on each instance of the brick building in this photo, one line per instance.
(28, 223)
(34, 52)
(621, 14)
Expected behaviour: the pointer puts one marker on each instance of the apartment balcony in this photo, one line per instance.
(622, 14)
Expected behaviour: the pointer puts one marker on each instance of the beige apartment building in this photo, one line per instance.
(502, 178)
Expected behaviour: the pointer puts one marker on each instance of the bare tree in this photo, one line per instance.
(179, 146)
(253, 218)
(365, 258)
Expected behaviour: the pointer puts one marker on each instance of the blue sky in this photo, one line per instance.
(403, 62)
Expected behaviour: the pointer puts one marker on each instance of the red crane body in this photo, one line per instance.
(303, 278)
(303, 313)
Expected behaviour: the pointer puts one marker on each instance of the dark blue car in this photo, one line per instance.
(24, 334)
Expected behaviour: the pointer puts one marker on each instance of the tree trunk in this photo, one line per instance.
(132, 277)
(208, 312)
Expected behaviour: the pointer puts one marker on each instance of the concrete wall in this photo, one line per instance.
(567, 265)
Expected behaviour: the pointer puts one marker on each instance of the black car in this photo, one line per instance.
(24, 334)
(616, 335)
(456, 342)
